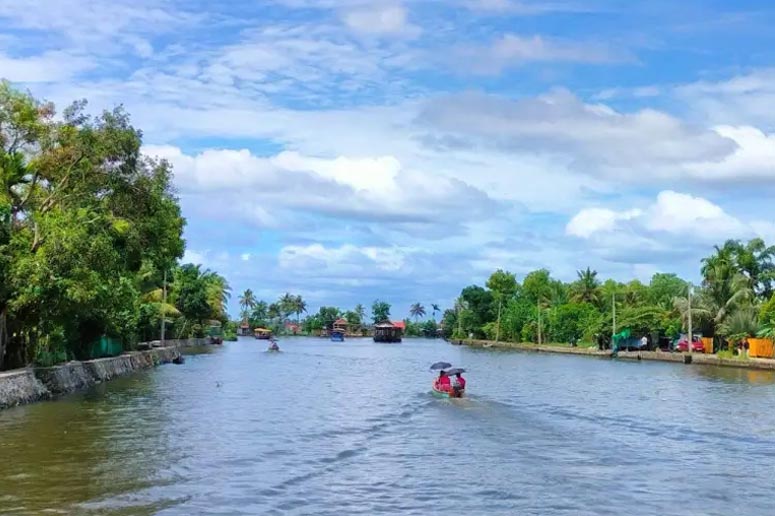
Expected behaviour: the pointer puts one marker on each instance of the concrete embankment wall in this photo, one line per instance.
(681, 358)
(22, 386)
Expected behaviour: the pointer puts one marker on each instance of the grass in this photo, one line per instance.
(730, 355)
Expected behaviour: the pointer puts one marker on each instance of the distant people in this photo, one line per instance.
(573, 342)
(644, 342)
(460, 384)
(442, 382)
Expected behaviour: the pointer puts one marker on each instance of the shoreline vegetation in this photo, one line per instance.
(732, 307)
(90, 240)
(721, 360)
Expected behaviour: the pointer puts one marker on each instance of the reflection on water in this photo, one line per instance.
(350, 428)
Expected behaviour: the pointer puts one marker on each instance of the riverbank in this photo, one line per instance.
(661, 356)
(22, 386)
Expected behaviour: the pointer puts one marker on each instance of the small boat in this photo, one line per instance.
(337, 336)
(447, 394)
(273, 347)
(263, 334)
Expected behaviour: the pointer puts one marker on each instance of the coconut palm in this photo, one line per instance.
(587, 288)
(360, 311)
(417, 311)
(436, 309)
(260, 311)
(247, 300)
(299, 307)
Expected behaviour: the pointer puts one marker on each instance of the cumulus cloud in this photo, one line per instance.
(595, 138)
(367, 189)
(744, 99)
(752, 160)
(672, 218)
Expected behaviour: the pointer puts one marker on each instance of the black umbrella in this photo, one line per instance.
(440, 365)
(455, 370)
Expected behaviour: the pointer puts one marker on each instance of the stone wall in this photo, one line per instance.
(20, 386)
(33, 384)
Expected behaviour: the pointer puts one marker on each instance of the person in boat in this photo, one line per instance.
(442, 382)
(460, 383)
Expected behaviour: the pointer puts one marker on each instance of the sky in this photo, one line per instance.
(349, 150)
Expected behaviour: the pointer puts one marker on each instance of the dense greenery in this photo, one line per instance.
(735, 300)
(88, 229)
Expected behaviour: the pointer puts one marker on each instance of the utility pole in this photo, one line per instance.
(163, 305)
(613, 304)
(539, 322)
(689, 299)
(498, 328)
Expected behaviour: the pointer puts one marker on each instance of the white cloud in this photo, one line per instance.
(245, 257)
(378, 189)
(596, 139)
(380, 19)
(596, 220)
(672, 214)
(754, 158)
(741, 100)
(46, 67)
(514, 50)
(343, 258)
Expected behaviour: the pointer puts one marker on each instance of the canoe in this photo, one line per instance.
(447, 394)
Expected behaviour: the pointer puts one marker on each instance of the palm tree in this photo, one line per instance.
(360, 311)
(435, 308)
(299, 307)
(417, 311)
(247, 300)
(260, 311)
(587, 288)
(740, 324)
(286, 305)
(218, 293)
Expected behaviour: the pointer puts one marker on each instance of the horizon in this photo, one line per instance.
(348, 151)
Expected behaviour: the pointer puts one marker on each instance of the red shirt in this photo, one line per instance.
(461, 382)
(443, 383)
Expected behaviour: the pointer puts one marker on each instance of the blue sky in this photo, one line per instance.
(348, 150)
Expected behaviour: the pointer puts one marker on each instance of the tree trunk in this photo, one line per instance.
(3, 336)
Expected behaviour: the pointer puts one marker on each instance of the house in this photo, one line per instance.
(401, 325)
(244, 329)
(292, 328)
(341, 325)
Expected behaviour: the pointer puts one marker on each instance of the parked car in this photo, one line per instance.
(683, 345)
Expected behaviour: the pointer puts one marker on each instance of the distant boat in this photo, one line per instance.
(339, 330)
(263, 334)
(387, 332)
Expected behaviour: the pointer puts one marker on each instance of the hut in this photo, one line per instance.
(387, 332)
(244, 329)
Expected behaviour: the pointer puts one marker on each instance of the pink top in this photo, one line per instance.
(443, 383)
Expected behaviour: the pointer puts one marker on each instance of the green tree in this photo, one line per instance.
(587, 288)
(435, 309)
(417, 311)
(360, 311)
(247, 301)
(380, 311)
(663, 288)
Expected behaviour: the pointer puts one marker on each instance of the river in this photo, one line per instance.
(350, 428)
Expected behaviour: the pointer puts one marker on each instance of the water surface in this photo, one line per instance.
(350, 428)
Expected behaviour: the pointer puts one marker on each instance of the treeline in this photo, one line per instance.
(89, 228)
(734, 301)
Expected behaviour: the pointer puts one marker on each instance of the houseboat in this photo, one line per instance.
(262, 333)
(339, 330)
(387, 332)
